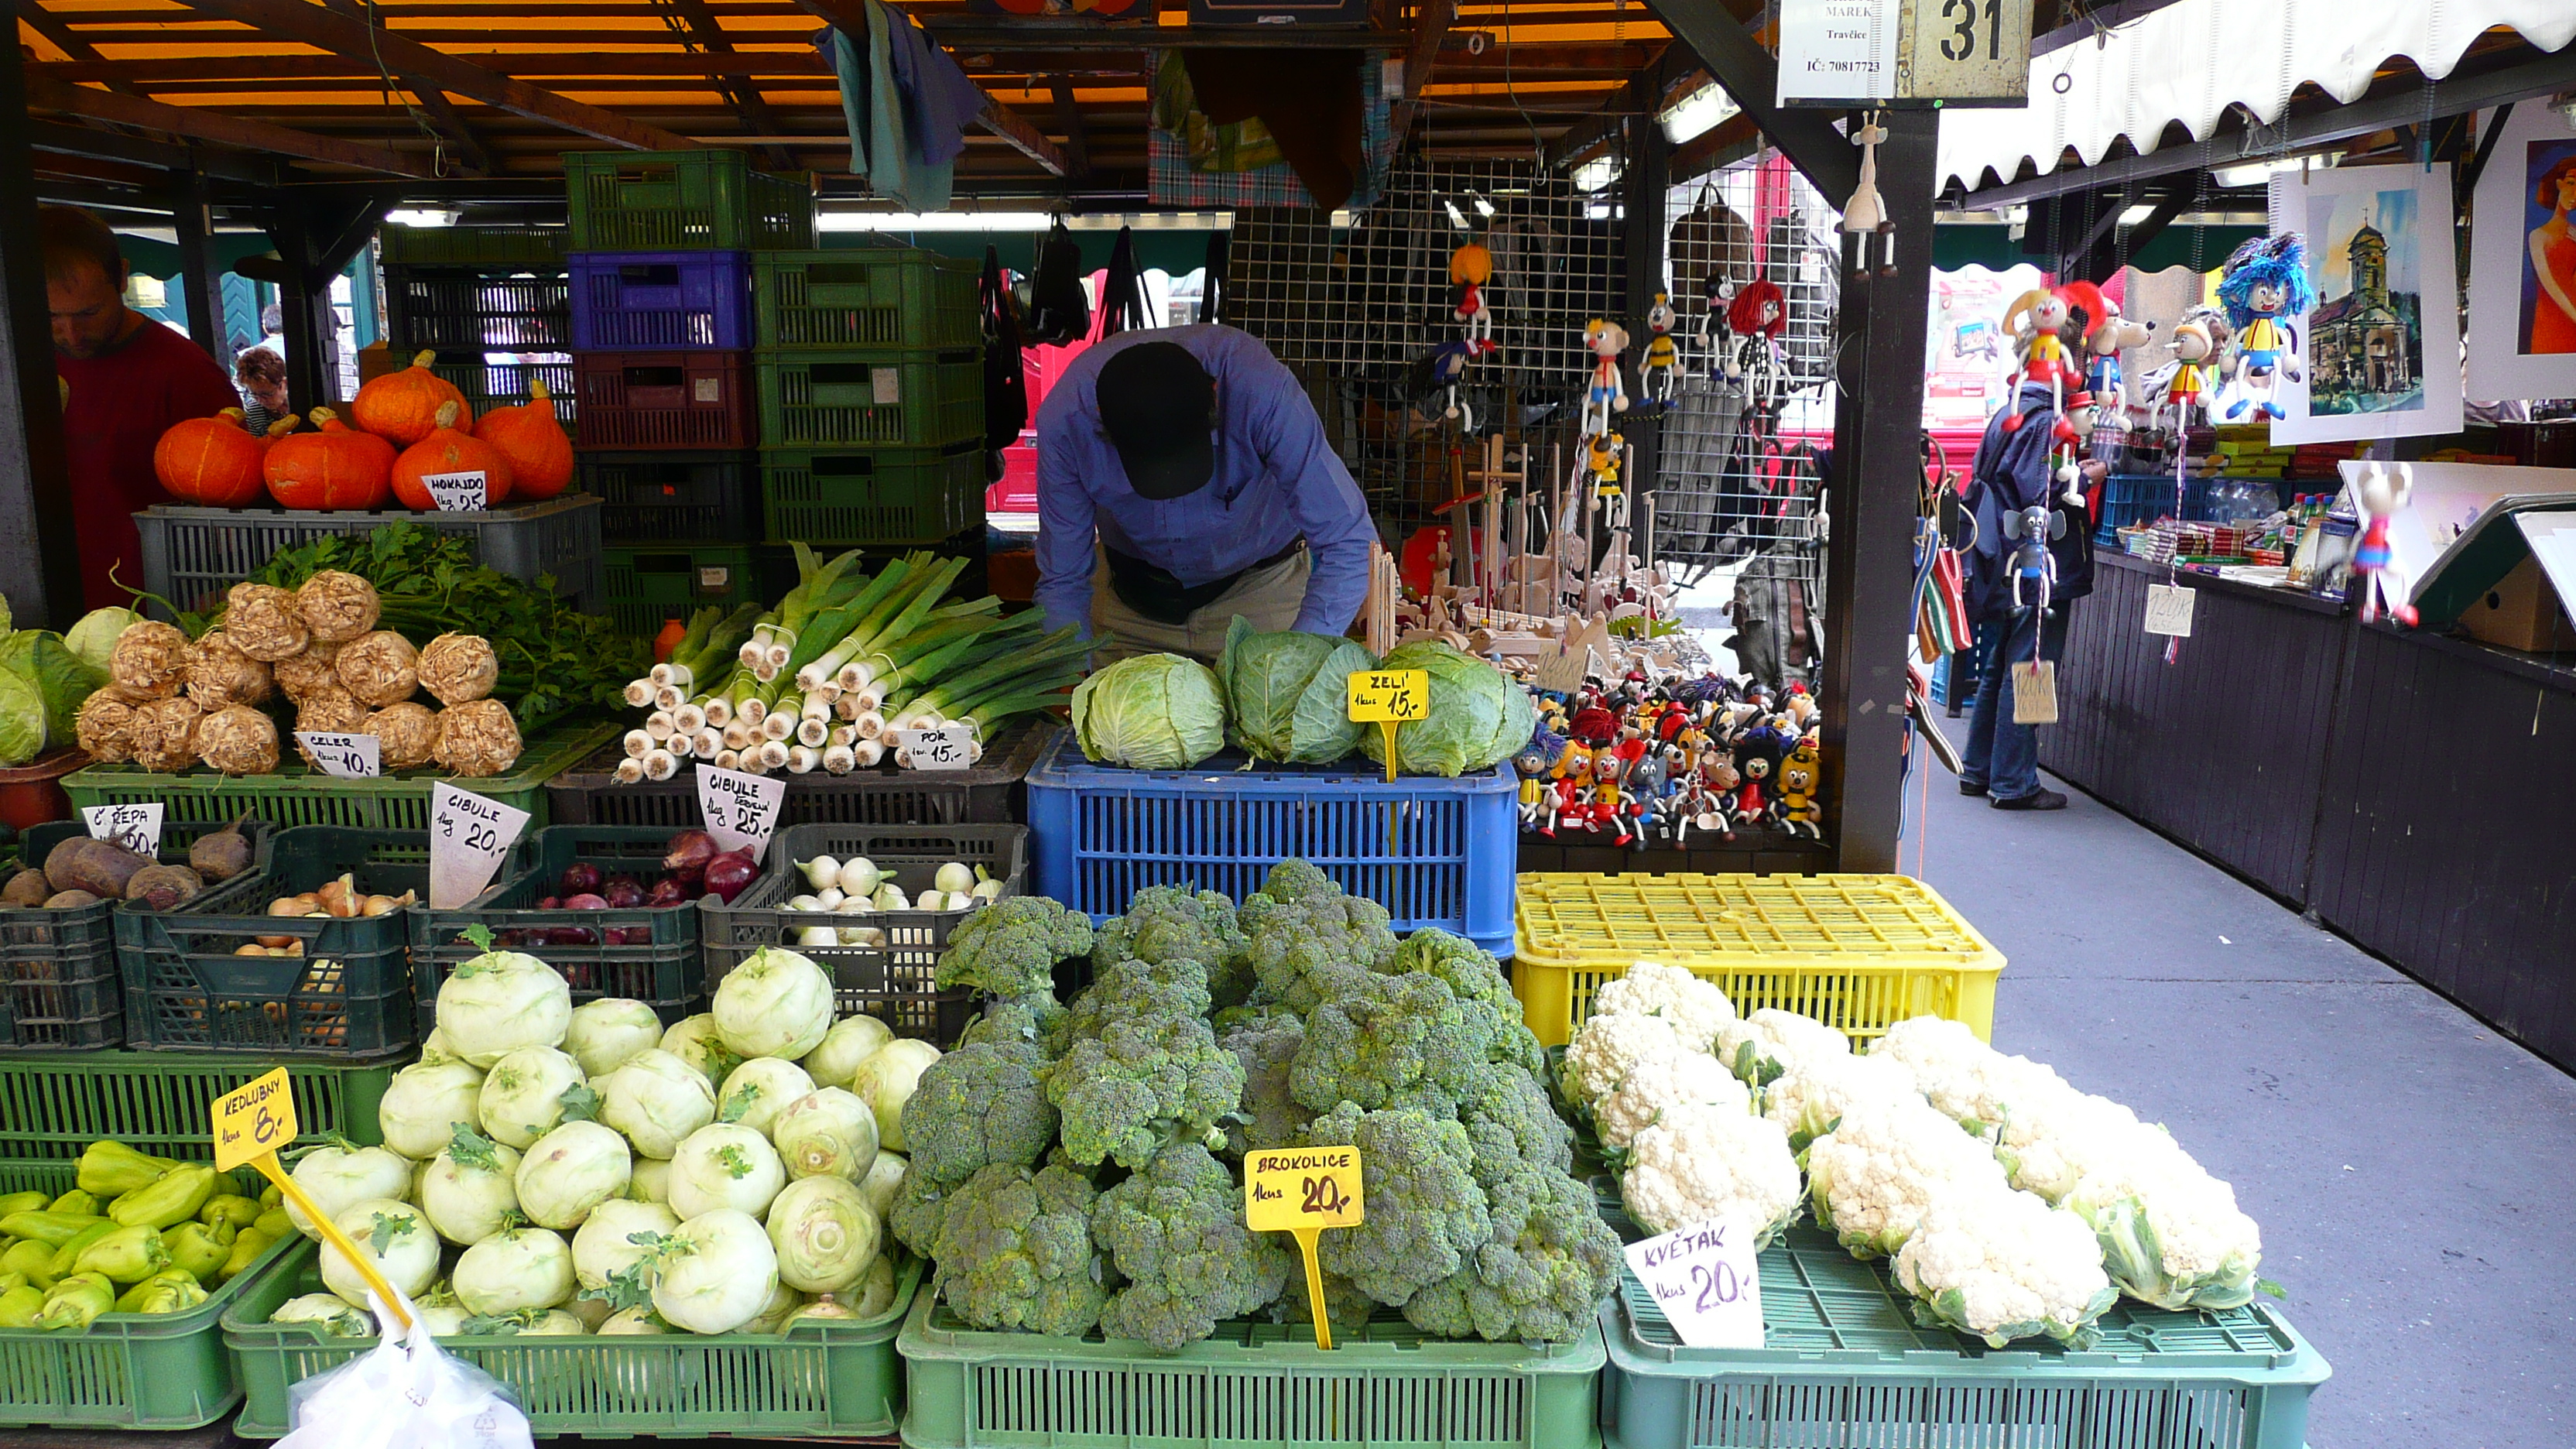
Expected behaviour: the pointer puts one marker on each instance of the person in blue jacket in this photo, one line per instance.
(1183, 479)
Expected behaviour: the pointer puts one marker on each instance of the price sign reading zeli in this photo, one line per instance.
(136, 827)
(741, 810)
(254, 1121)
(1708, 1280)
(949, 747)
(468, 492)
(1302, 1191)
(1387, 698)
(350, 757)
(469, 836)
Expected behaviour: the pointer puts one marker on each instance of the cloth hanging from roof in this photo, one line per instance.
(1309, 101)
(903, 137)
(940, 101)
(1176, 175)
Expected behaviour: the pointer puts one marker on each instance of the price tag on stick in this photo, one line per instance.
(1708, 1280)
(1387, 698)
(136, 827)
(949, 747)
(349, 757)
(468, 492)
(251, 1123)
(1302, 1191)
(469, 836)
(741, 810)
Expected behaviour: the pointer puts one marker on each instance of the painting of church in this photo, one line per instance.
(2366, 347)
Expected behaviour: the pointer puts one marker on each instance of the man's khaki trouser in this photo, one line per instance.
(1269, 597)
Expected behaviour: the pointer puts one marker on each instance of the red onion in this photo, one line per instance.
(573, 936)
(585, 902)
(623, 892)
(550, 903)
(689, 854)
(666, 892)
(580, 878)
(730, 874)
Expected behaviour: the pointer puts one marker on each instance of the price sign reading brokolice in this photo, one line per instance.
(350, 757)
(469, 836)
(741, 810)
(253, 1121)
(136, 827)
(468, 492)
(1708, 1280)
(1387, 698)
(1302, 1191)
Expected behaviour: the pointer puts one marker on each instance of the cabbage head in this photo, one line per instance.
(60, 678)
(93, 638)
(1287, 695)
(1479, 717)
(1152, 712)
(22, 721)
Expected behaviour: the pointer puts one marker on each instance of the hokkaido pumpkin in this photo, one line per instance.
(533, 439)
(214, 461)
(338, 467)
(402, 407)
(446, 450)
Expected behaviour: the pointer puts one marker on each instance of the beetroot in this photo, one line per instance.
(667, 892)
(623, 892)
(690, 851)
(730, 874)
(580, 878)
(585, 902)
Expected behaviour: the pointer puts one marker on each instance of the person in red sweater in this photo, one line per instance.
(127, 378)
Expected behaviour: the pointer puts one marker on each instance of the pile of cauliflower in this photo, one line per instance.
(2011, 1205)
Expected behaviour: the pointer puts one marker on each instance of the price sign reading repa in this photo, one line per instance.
(349, 757)
(1302, 1191)
(253, 1121)
(741, 810)
(469, 836)
(136, 827)
(1708, 1280)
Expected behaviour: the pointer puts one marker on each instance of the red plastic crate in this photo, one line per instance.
(667, 400)
(1018, 490)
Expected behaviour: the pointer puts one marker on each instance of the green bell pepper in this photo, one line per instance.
(109, 1168)
(75, 1301)
(18, 1306)
(51, 1228)
(199, 1249)
(247, 1249)
(230, 1207)
(80, 1203)
(128, 1255)
(69, 1253)
(22, 1202)
(172, 1200)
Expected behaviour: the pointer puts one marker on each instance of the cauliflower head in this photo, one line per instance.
(1770, 1043)
(1696, 1008)
(1015, 1251)
(1809, 1101)
(1659, 1084)
(1603, 1049)
(1873, 1177)
(1703, 1163)
(1541, 1275)
(2049, 1138)
(2001, 1265)
(1175, 1231)
(2170, 1233)
(1969, 1081)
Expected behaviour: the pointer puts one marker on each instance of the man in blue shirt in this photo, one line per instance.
(1187, 465)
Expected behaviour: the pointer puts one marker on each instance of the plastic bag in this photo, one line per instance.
(405, 1393)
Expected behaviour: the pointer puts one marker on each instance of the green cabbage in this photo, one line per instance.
(22, 720)
(93, 636)
(60, 678)
(1152, 712)
(1287, 695)
(1478, 717)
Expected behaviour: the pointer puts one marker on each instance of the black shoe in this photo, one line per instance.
(2040, 799)
(1970, 787)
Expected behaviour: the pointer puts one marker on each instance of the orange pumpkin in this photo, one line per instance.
(338, 467)
(447, 450)
(213, 461)
(402, 407)
(532, 438)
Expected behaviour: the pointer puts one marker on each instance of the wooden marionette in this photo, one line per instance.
(2381, 494)
(1657, 373)
(1471, 271)
(1449, 373)
(1716, 295)
(2263, 285)
(2037, 317)
(1607, 393)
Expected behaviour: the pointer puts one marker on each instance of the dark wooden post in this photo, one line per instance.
(39, 555)
(198, 279)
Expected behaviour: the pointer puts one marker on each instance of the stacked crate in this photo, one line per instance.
(494, 303)
(663, 247)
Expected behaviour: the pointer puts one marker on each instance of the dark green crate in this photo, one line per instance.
(488, 385)
(533, 248)
(474, 309)
(880, 297)
(822, 399)
(625, 201)
(846, 496)
(652, 583)
(54, 1105)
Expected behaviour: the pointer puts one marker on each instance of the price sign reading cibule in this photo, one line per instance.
(136, 827)
(349, 757)
(741, 810)
(1387, 698)
(1708, 1280)
(1302, 1191)
(252, 1123)
(469, 836)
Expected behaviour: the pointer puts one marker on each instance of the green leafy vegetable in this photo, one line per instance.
(1288, 694)
(60, 678)
(1477, 719)
(1152, 712)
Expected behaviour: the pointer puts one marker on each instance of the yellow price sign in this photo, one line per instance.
(1302, 1191)
(1387, 698)
(251, 1123)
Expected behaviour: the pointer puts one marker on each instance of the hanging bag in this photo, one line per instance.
(1006, 382)
(405, 1393)
(1123, 307)
(1058, 311)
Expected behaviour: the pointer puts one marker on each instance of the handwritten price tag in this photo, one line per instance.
(468, 492)
(1302, 1191)
(350, 757)
(469, 836)
(741, 810)
(1380, 696)
(1708, 1280)
(136, 827)
(949, 747)
(2169, 610)
(253, 1121)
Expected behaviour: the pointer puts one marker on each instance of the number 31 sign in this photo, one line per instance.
(1963, 53)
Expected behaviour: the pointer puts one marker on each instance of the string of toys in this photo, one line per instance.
(1643, 764)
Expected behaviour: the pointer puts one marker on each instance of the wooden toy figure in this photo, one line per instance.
(1800, 770)
(1718, 774)
(1608, 393)
(1755, 756)
(1657, 373)
(1449, 371)
(2381, 494)
(2066, 443)
(2038, 315)
(1714, 298)
(1532, 768)
(2032, 564)
(2196, 352)
(1471, 270)
(2263, 285)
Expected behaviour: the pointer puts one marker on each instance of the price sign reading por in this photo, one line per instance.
(1708, 1280)
(741, 810)
(253, 1121)
(1302, 1191)
(350, 757)
(949, 747)
(468, 492)
(469, 836)
(1384, 696)
(136, 827)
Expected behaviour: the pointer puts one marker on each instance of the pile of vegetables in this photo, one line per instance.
(139, 1234)
(820, 681)
(2031, 1222)
(46, 677)
(548, 1169)
(1078, 1166)
(83, 872)
(1285, 698)
(693, 869)
(857, 888)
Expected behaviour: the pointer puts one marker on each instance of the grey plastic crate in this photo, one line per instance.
(192, 553)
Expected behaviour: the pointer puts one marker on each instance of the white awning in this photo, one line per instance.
(2190, 60)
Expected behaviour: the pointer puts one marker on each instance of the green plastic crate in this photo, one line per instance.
(296, 795)
(656, 582)
(53, 1105)
(531, 248)
(886, 297)
(872, 495)
(1256, 1383)
(1845, 1364)
(625, 201)
(823, 399)
(831, 1379)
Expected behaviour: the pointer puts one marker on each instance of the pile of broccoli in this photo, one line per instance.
(1076, 1166)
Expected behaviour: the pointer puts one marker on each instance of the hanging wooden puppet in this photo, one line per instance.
(2036, 319)
(1471, 271)
(2381, 494)
(2263, 286)
(1607, 393)
(1661, 366)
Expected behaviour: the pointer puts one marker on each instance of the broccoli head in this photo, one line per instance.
(1175, 1231)
(1385, 1040)
(1269, 1116)
(1510, 1121)
(1128, 990)
(1015, 1252)
(1540, 1276)
(1166, 923)
(1469, 969)
(1014, 1021)
(1010, 947)
(920, 1205)
(1349, 1306)
(1425, 1212)
(979, 1106)
(1294, 880)
(1307, 933)
(1140, 1085)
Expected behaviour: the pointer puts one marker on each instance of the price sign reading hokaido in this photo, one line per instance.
(1302, 1191)
(949, 747)
(1708, 1280)
(350, 757)
(741, 810)
(468, 492)
(469, 836)
(252, 1124)
(136, 827)
(1387, 698)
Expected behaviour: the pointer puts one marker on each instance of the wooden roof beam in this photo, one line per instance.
(847, 17)
(442, 112)
(700, 28)
(1431, 22)
(52, 95)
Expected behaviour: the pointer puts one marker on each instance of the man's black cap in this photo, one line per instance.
(1157, 405)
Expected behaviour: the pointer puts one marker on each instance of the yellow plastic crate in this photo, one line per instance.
(1857, 952)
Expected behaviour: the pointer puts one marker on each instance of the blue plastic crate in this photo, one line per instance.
(631, 301)
(1434, 852)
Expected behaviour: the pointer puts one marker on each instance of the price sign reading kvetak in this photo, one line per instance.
(468, 492)
(136, 827)
(949, 747)
(1708, 1280)
(741, 810)
(350, 757)
(1302, 1191)
(253, 1121)
(469, 836)
(1381, 696)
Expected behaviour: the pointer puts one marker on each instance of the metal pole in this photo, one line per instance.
(198, 279)
(39, 553)
(1649, 163)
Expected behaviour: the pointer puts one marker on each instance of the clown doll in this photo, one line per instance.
(1471, 270)
(1607, 393)
(2039, 316)
(2263, 286)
